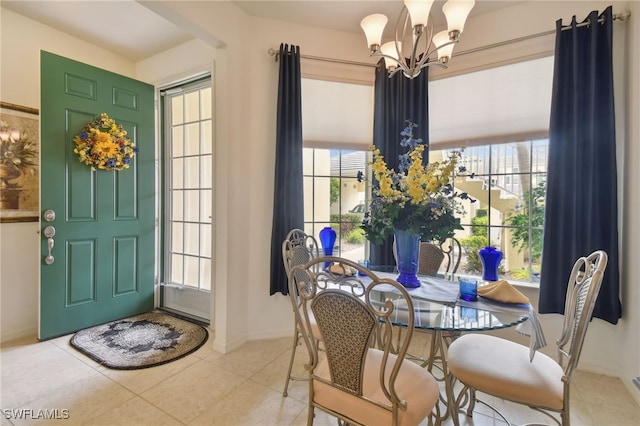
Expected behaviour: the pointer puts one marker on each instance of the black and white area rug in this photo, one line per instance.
(140, 341)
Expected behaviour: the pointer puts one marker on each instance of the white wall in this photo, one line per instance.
(628, 334)
(245, 89)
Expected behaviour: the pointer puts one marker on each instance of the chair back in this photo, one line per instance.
(432, 256)
(349, 306)
(347, 327)
(582, 292)
(298, 248)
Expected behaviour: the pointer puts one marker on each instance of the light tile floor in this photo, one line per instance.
(208, 388)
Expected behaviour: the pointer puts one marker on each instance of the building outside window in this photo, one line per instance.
(335, 198)
(508, 185)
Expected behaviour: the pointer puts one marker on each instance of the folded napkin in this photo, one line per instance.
(502, 291)
(340, 269)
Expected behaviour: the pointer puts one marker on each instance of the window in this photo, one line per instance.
(509, 185)
(334, 197)
(188, 185)
(337, 133)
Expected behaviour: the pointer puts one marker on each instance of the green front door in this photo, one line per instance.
(103, 247)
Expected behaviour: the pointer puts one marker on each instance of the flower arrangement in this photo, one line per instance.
(17, 149)
(417, 198)
(103, 144)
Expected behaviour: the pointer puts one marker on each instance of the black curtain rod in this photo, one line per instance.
(275, 53)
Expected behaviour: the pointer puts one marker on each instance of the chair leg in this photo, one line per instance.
(310, 415)
(296, 337)
(565, 416)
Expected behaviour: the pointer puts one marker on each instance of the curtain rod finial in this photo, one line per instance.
(274, 53)
(623, 15)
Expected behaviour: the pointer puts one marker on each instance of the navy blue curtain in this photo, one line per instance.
(396, 100)
(581, 212)
(288, 198)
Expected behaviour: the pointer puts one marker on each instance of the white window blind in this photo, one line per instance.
(511, 102)
(337, 114)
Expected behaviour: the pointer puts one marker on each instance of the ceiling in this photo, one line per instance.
(139, 33)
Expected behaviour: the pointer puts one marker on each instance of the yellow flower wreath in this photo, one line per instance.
(103, 144)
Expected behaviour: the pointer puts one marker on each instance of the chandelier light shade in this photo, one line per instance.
(419, 11)
(415, 45)
(373, 26)
(390, 54)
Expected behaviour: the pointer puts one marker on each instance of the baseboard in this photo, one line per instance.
(8, 336)
(229, 345)
(635, 392)
(270, 334)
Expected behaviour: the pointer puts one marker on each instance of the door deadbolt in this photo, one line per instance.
(49, 215)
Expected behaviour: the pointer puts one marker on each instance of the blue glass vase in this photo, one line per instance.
(490, 258)
(327, 240)
(407, 257)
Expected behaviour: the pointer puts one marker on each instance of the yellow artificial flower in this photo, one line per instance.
(418, 198)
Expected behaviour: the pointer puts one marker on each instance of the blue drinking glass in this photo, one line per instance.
(468, 290)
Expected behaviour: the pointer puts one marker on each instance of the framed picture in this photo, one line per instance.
(19, 163)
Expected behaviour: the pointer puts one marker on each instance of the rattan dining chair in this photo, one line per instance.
(298, 248)
(361, 377)
(433, 254)
(503, 369)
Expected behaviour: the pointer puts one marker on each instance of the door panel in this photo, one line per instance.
(104, 240)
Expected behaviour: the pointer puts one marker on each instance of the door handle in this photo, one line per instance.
(49, 232)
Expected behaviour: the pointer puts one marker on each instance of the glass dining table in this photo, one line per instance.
(438, 310)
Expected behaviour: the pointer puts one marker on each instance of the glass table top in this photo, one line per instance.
(437, 307)
(439, 316)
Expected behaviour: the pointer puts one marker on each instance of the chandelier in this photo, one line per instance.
(414, 43)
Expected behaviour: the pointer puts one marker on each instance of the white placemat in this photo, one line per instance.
(531, 327)
(432, 289)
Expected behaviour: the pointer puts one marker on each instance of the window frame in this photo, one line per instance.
(200, 85)
(497, 173)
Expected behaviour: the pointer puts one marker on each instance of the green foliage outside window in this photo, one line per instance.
(476, 241)
(534, 210)
(356, 236)
(479, 224)
(345, 223)
(471, 246)
(334, 188)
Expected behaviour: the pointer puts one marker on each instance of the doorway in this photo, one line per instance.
(187, 182)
